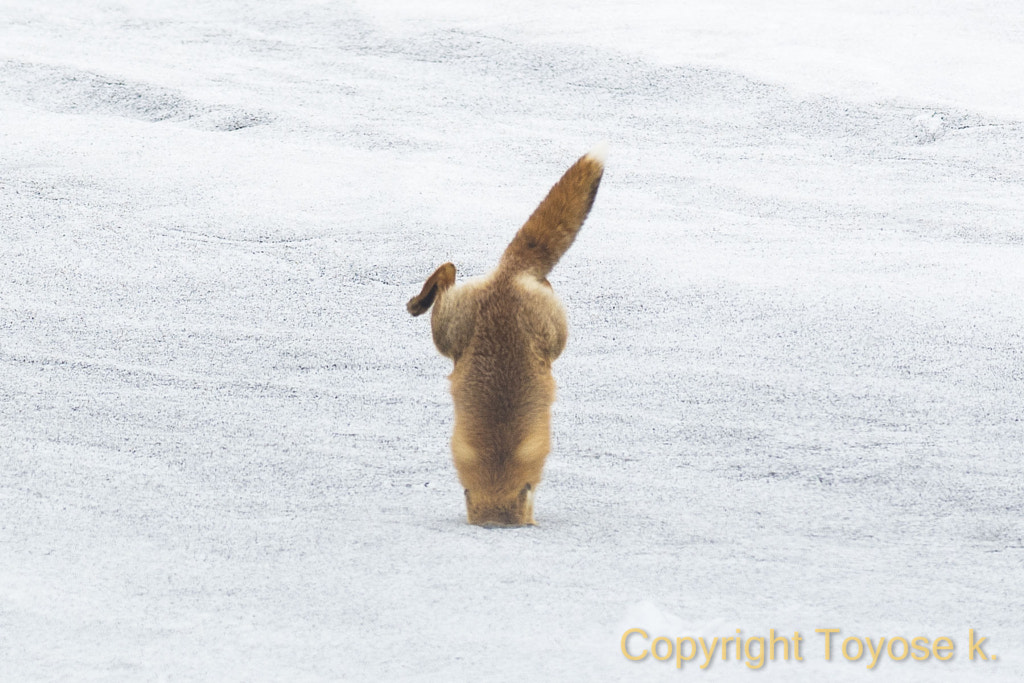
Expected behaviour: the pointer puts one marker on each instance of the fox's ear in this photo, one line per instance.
(442, 279)
(525, 495)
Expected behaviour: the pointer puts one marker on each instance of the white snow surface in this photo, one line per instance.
(792, 397)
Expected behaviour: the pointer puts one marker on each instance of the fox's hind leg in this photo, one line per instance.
(442, 279)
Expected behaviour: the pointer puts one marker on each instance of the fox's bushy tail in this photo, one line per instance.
(551, 229)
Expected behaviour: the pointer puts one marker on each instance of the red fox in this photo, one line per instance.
(503, 331)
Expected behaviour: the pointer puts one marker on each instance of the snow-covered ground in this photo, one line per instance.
(793, 396)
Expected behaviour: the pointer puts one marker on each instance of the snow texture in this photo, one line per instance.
(793, 392)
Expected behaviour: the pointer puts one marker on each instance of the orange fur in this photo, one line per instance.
(503, 332)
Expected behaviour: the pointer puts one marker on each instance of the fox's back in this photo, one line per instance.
(503, 382)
